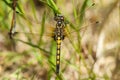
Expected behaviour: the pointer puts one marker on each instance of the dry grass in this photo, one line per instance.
(93, 40)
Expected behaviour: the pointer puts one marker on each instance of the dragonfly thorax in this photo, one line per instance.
(59, 32)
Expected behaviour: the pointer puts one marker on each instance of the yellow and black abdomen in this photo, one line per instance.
(58, 54)
(59, 36)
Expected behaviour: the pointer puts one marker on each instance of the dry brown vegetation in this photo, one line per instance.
(90, 51)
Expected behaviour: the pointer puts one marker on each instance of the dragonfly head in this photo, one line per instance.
(59, 18)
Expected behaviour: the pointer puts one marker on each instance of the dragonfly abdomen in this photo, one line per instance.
(58, 54)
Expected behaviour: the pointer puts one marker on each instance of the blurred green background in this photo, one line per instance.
(90, 51)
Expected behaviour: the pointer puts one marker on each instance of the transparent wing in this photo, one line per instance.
(35, 35)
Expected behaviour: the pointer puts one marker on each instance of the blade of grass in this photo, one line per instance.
(9, 4)
(33, 9)
(47, 53)
(54, 6)
(75, 11)
(51, 4)
(51, 59)
(53, 51)
(38, 57)
(82, 12)
(42, 28)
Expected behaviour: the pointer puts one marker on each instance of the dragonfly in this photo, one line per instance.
(59, 33)
(58, 36)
